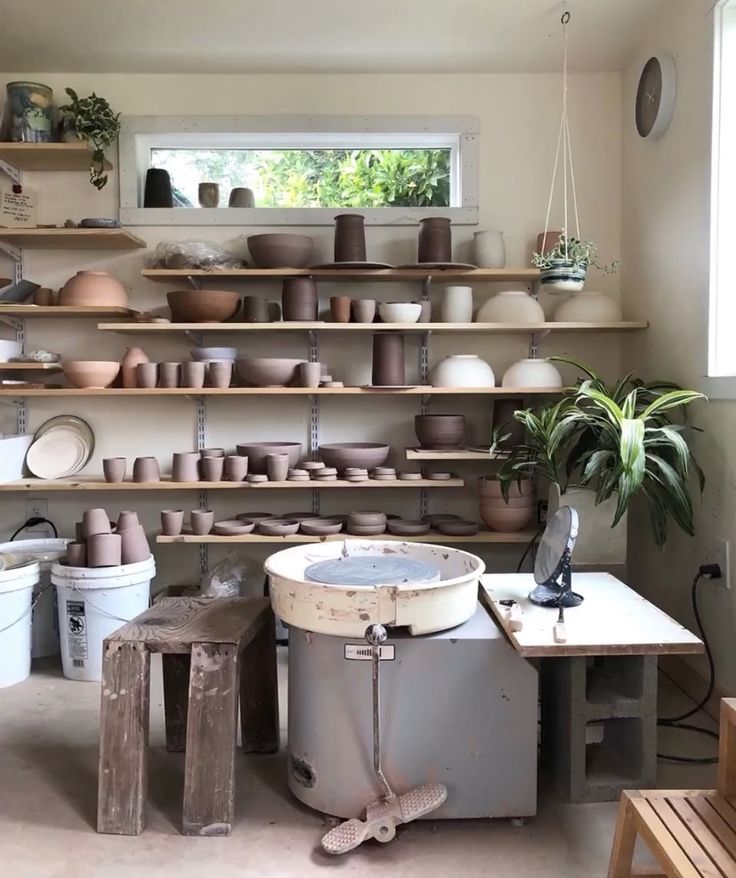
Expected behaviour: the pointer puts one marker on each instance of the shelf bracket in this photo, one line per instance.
(533, 346)
(13, 252)
(314, 416)
(194, 282)
(196, 337)
(203, 497)
(10, 171)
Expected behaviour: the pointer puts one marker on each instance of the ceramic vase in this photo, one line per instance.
(241, 196)
(212, 468)
(435, 240)
(456, 305)
(113, 468)
(185, 466)
(463, 370)
(146, 375)
(76, 554)
(134, 546)
(158, 191)
(364, 310)
(340, 308)
(201, 521)
(145, 469)
(104, 550)
(349, 237)
(172, 522)
(388, 360)
(309, 374)
(95, 521)
(29, 112)
(209, 194)
(236, 467)
(131, 360)
(489, 249)
(299, 299)
(193, 374)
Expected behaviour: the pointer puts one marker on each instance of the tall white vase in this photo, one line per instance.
(457, 305)
(489, 249)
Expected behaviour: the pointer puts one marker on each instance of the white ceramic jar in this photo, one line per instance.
(489, 249)
(511, 306)
(463, 370)
(456, 305)
(588, 307)
(532, 373)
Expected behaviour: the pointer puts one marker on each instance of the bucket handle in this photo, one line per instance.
(25, 612)
(95, 607)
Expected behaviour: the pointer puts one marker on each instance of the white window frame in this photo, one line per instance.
(140, 133)
(720, 380)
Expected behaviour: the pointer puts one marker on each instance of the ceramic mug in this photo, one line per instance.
(169, 374)
(309, 374)
(201, 521)
(212, 468)
(192, 374)
(172, 522)
(104, 550)
(277, 467)
(236, 467)
(134, 546)
(114, 468)
(184, 467)
(364, 310)
(76, 554)
(220, 373)
(146, 374)
(146, 469)
(95, 521)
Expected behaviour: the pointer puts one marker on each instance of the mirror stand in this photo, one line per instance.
(556, 592)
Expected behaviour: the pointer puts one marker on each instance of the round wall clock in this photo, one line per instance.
(655, 96)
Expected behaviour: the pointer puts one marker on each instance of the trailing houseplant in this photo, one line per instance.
(563, 267)
(94, 122)
(620, 441)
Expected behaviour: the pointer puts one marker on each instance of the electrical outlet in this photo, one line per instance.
(37, 507)
(719, 552)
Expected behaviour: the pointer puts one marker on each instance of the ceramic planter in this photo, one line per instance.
(127, 519)
(95, 521)
(309, 374)
(193, 374)
(169, 374)
(547, 241)
(364, 310)
(489, 249)
(349, 237)
(134, 546)
(597, 543)
(388, 360)
(255, 310)
(236, 467)
(220, 373)
(201, 521)
(241, 196)
(145, 469)
(277, 467)
(94, 288)
(212, 468)
(146, 375)
(76, 554)
(463, 370)
(563, 277)
(435, 240)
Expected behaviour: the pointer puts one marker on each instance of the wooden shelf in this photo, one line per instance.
(474, 275)
(457, 454)
(48, 156)
(71, 239)
(30, 367)
(483, 536)
(279, 391)
(322, 326)
(58, 311)
(97, 483)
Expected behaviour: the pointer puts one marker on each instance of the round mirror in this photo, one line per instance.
(556, 544)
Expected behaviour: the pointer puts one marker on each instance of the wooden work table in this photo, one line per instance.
(599, 687)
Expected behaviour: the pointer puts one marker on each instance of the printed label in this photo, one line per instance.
(76, 632)
(361, 652)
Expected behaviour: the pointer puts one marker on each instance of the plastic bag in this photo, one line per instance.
(235, 576)
(204, 255)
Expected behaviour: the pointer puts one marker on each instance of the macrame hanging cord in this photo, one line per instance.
(564, 146)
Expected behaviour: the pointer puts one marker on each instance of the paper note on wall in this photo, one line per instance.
(17, 207)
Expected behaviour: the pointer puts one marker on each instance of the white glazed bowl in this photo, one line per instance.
(202, 355)
(399, 312)
(588, 307)
(511, 306)
(532, 373)
(463, 370)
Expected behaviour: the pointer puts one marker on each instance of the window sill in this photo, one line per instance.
(720, 387)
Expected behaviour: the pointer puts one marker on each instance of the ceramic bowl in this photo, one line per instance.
(365, 455)
(434, 518)
(254, 516)
(366, 530)
(257, 452)
(401, 528)
(321, 527)
(90, 373)
(463, 370)
(281, 250)
(203, 306)
(532, 373)
(278, 527)
(458, 528)
(267, 371)
(234, 527)
(588, 307)
(399, 312)
(367, 519)
(202, 355)
(511, 306)
(506, 520)
(491, 488)
(440, 431)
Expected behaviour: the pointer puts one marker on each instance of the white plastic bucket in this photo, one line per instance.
(16, 597)
(93, 602)
(45, 621)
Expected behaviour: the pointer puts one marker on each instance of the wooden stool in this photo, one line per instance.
(216, 652)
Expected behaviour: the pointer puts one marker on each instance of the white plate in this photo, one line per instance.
(57, 453)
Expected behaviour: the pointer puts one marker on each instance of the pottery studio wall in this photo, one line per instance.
(666, 189)
(519, 117)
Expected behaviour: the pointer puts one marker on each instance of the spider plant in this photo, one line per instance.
(621, 440)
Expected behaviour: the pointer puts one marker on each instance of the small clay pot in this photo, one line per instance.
(127, 519)
(309, 374)
(241, 196)
(192, 374)
(435, 240)
(114, 468)
(212, 452)
(388, 360)
(146, 469)
(76, 554)
(340, 308)
(212, 468)
(255, 310)
(220, 373)
(299, 299)
(236, 467)
(364, 310)
(134, 546)
(104, 550)
(169, 374)
(146, 374)
(349, 237)
(172, 522)
(185, 466)
(209, 194)
(95, 521)
(277, 467)
(158, 192)
(434, 518)
(201, 521)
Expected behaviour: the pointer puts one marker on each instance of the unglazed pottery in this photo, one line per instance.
(93, 288)
(267, 371)
(278, 527)
(513, 502)
(203, 306)
(277, 467)
(90, 374)
(241, 196)
(439, 477)
(209, 194)
(456, 305)
(128, 365)
(511, 306)
(280, 250)
(236, 467)
(440, 431)
(146, 469)
(364, 310)
(220, 373)
(435, 240)
(95, 521)
(299, 299)
(158, 192)
(340, 308)
(320, 527)
(366, 530)
(233, 527)
(257, 452)
(79, 532)
(388, 360)
(254, 516)
(489, 249)
(457, 528)
(463, 370)
(349, 237)
(434, 518)
(104, 550)
(532, 373)
(365, 455)
(366, 519)
(489, 487)
(134, 546)
(146, 375)
(185, 466)
(255, 310)
(206, 354)
(169, 374)
(399, 312)
(256, 478)
(114, 468)
(172, 522)
(506, 520)
(76, 554)
(201, 521)
(403, 528)
(212, 452)
(588, 307)
(193, 374)
(503, 416)
(309, 374)
(212, 468)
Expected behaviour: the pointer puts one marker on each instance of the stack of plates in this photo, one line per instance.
(61, 447)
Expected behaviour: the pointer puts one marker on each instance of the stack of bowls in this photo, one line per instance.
(499, 515)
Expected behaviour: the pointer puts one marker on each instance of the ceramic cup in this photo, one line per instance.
(104, 550)
(95, 521)
(277, 467)
(220, 373)
(209, 194)
(127, 519)
(76, 554)
(364, 310)
(169, 374)
(340, 308)
(146, 469)
(212, 452)
(236, 467)
(192, 374)
(201, 521)
(212, 468)
(172, 522)
(240, 196)
(114, 468)
(134, 546)
(309, 374)
(146, 374)
(185, 466)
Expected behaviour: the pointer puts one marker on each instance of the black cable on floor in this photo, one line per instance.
(675, 722)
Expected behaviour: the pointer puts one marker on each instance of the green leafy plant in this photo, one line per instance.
(622, 440)
(95, 123)
(579, 254)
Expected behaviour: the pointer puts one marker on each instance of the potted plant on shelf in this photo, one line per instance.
(564, 266)
(601, 446)
(92, 120)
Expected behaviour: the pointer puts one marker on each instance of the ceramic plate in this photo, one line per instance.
(72, 421)
(441, 266)
(338, 266)
(58, 453)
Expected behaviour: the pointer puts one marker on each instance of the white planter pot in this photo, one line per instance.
(489, 249)
(457, 305)
(597, 542)
(463, 370)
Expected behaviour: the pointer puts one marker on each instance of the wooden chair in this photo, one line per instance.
(691, 833)
(216, 652)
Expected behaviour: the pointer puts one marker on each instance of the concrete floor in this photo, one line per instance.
(48, 783)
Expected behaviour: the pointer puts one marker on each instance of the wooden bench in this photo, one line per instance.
(216, 652)
(691, 833)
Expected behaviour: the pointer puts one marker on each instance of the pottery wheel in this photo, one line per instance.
(367, 570)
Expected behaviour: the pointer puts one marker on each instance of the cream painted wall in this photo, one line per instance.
(665, 219)
(519, 120)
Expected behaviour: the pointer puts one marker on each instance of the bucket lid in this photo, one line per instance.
(24, 574)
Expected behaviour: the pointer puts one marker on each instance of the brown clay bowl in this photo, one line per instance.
(267, 371)
(366, 530)
(506, 520)
(440, 431)
(90, 373)
(434, 518)
(254, 516)
(233, 527)
(401, 528)
(321, 527)
(281, 250)
(278, 527)
(367, 519)
(366, 455)
(203, 306)
(257, 452)
(457, 528)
